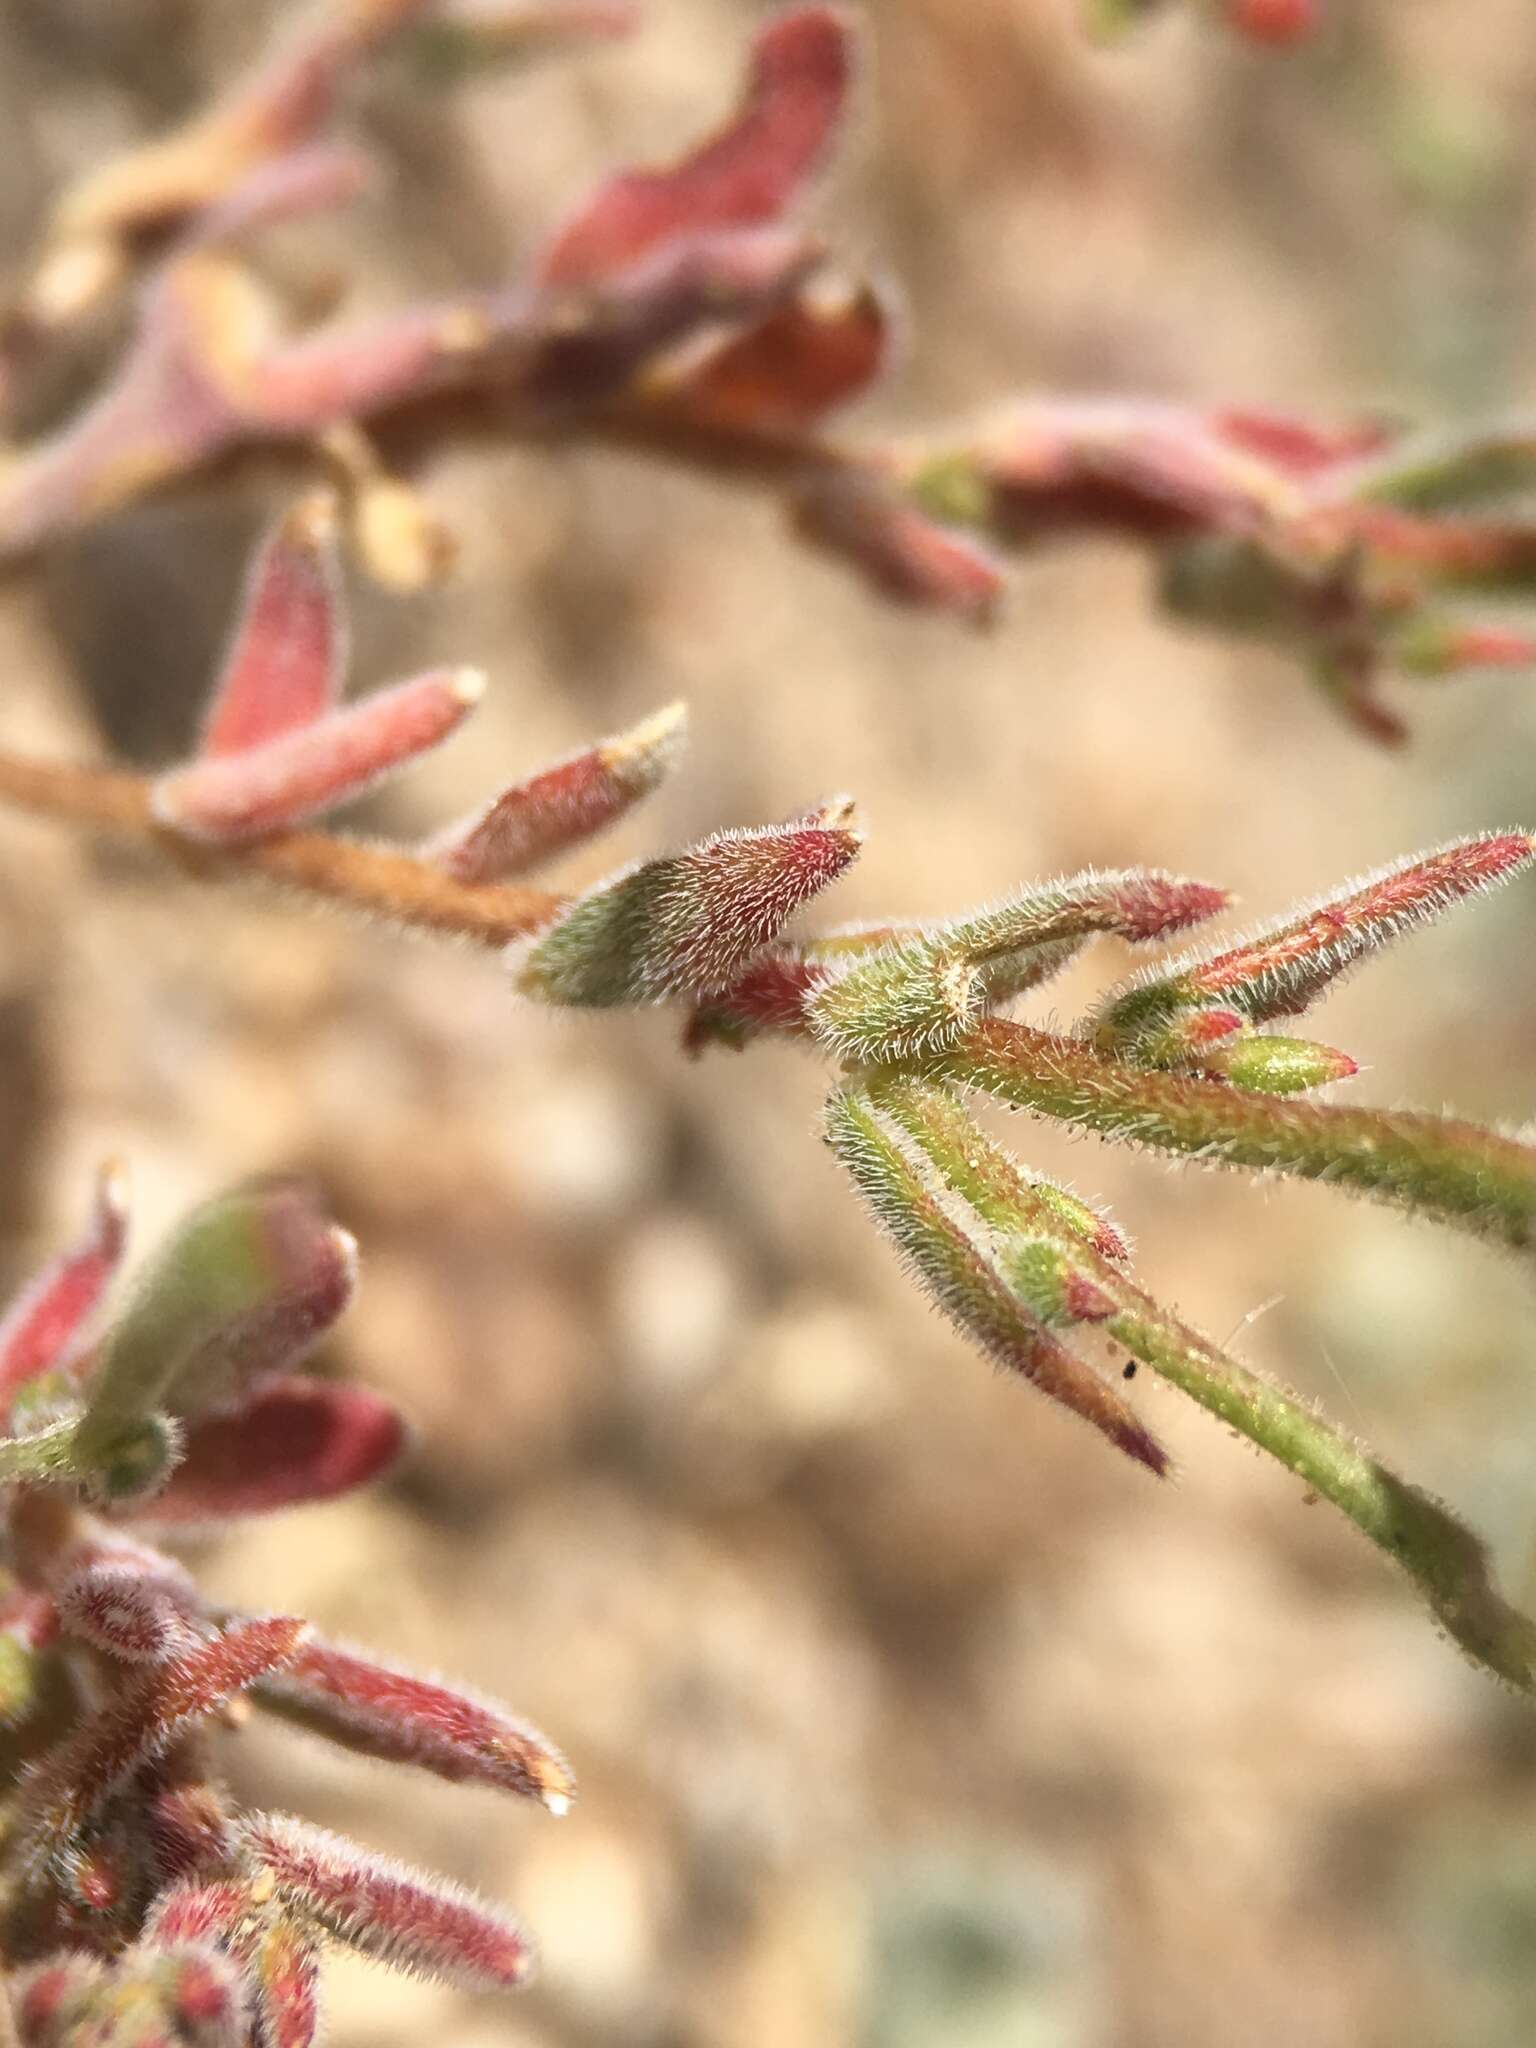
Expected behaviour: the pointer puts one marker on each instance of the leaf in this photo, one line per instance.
(315, 767)
(746, 176)
(380, 1908)
(45, 1327)
(80, 1773)
(532, 822)
(1446, 1561)
(954, 1259)
(897, 547)
(1433, 1166)
(291, 1443)
(919, 994)
(288, 654)
(811, 355)
(1286, 966)
(383, 1712)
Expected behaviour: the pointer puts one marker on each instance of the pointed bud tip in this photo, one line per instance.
(661, 735)
(1141, 1445)
(1208, 1027)
(555, 1785)
(468, 685)
(114, 1187)
(837, 814)
(314, 520)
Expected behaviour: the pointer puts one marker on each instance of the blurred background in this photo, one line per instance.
(904, 1715)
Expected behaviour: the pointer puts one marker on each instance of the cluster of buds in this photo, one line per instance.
(685, 313)
(138, 1907)
(1184, 1059)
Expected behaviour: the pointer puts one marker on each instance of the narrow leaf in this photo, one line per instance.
(534, 821)
(292, 1442)
(1448, 1564)
(921, 994)
(76, 1777)
(387, 1713)
(1430, 1165)
(288, 655)
(317, 766)
(414, 1923)
(44, 1328)
(956, 1266)
(1285, 967)
(745, 176)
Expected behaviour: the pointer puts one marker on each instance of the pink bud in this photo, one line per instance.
(1279, 1066)
(51, 1998)
(203, 1992)
(1200, 1028)
(197, 1912)
(688, 922)
(188, 1832)
(315, 767)
(288, 653)
(769, 996)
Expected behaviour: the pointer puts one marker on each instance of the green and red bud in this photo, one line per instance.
(687, 923)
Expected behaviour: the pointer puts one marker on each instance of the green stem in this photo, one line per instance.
(1448, 1563)
(1431, 1165)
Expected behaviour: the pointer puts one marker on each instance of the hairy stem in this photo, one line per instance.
(1432, 1165)
(1446, 1560)
(347, 872)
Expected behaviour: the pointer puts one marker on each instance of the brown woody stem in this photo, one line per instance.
(347, 872)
